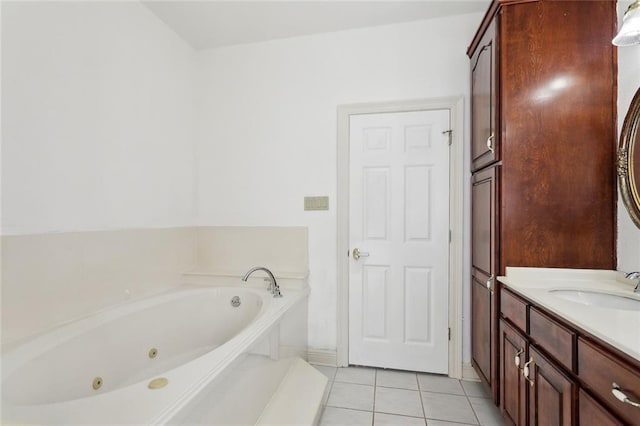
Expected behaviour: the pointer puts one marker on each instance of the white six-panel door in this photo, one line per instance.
(399, 222)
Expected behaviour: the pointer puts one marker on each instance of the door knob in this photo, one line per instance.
(357, 254)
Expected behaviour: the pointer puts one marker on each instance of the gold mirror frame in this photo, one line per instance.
(629, 160)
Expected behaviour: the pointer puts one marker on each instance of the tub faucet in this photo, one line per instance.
(634, 275)
(273, 285)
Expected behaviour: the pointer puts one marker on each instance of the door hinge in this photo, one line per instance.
(449, 132)
(449, 235)
(449, 333)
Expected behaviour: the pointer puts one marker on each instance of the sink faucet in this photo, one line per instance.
(634, 275)
(273, 285)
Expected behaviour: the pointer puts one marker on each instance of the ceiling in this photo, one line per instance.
(209, 24)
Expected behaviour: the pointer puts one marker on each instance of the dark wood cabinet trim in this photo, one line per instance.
(486, 21)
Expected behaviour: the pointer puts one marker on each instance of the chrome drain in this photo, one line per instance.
(235, 301)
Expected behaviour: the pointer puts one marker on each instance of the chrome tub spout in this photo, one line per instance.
(273, 285)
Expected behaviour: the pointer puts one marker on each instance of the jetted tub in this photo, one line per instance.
(139, 362)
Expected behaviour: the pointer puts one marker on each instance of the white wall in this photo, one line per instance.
(97, 118)
(628, 84)
(97, 133)
(267, 126)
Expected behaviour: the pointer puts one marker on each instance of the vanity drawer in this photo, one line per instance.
(514, 309)
(556, 339)
(599, 370)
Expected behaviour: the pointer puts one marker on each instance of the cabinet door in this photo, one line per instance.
(513, 385)
(484, 146)
(591, 413)
(558, 144)
(484, 304)
(481, 330)
(484, 200)
(551, 393)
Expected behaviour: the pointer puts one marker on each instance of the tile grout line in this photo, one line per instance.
(332, 380)
(473, 410)
(424, 411)
(375, 392)
(326, 404)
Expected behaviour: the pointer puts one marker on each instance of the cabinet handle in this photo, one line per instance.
(516, 360)
(621, 396)
(490, 283)
(526, 371)
(490, 142)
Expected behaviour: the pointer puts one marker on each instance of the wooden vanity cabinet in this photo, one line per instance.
(536, 390)
(543, 145)
(570, 373)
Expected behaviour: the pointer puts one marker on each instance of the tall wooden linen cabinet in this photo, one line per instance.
(543, 142)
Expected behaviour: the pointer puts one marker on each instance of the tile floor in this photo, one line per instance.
(371, 396)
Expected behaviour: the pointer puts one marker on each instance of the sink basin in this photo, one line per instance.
(599, 299)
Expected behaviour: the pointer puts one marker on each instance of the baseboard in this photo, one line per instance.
(469, 373)
(286, 351)
(321, 357)
(329, 358)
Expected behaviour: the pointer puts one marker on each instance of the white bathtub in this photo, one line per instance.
(188, 337)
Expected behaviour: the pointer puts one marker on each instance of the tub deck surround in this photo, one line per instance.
(296, 280)
(271, 392)
(52, 278)
(135, 403)
(619, 328)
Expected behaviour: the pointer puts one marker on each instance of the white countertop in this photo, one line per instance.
(619, 328)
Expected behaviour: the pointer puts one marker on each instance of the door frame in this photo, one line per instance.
(455, 105)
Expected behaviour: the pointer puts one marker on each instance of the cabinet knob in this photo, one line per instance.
(490, 142)
(526, 371)
(621, 396)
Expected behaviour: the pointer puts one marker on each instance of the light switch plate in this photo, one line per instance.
(316, 203)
